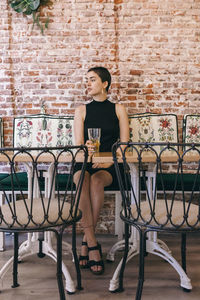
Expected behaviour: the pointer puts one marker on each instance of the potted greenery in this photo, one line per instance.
(31, 7)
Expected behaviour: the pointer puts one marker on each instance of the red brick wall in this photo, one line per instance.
(150, 47)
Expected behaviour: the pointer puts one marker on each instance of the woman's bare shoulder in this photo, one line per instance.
(120, 109)
(80, 111)
(80, 108)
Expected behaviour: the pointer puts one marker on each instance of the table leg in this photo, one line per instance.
(154, 246)
(30, 247)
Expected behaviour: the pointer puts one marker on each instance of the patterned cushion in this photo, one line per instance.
(42, 131)
(191, 129)
(38, 131)
(140, 129)
(154, 128)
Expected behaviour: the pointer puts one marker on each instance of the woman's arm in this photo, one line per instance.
(123, 123)
(79, 125)
(79, 119)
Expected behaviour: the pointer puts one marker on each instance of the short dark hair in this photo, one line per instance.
(103, 73)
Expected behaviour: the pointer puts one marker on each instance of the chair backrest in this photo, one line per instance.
(191, 128)
(154, 128)
(39, 211)
(1, 132)
(142, 114)
(165, 211)
(42, 131)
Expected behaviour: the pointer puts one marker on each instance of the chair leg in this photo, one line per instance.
(126, 249)
(15, 261)
(141, 264)
(41, 254)
(78, 272)
(2, 241)
(59, 266)
(183, 251)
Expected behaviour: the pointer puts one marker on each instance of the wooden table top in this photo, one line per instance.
(106, 157)
(45, 157)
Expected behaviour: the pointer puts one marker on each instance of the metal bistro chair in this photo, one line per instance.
(38, 212)
(168, 212)
(41, 130)
(147, 127)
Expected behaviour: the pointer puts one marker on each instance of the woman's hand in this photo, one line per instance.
(91, 147)
(102, 165)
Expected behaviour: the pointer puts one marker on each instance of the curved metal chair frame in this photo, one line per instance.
(173, 212)
(42, 212)
(145, 127)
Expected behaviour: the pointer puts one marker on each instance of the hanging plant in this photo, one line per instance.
(32, 7)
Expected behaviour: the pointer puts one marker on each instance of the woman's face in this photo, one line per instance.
(94, 84)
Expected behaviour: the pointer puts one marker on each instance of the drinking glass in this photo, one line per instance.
(94, 135)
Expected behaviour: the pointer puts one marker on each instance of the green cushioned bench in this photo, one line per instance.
(20, 181)
(169, 182)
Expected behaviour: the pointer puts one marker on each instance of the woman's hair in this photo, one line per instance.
(103, 73)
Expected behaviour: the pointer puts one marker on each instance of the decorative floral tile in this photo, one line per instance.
(140, 129)
(191, 129)
(42, 131)
(154, 128)
(166, 128)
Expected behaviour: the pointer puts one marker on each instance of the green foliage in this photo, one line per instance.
(31, 7)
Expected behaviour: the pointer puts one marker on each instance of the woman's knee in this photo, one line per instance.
(100, 180)
(86, 179)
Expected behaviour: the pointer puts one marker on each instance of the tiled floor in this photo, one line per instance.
(38, 281)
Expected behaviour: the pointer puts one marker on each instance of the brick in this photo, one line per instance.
(136, 72)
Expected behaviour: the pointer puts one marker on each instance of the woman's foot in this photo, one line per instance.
(84, 258)
(95, 262)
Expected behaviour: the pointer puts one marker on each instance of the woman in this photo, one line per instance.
(113, 121)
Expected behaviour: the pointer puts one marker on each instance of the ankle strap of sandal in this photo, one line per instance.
(93, 248)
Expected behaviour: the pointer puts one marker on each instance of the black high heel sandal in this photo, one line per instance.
(84, 257)
(92, 263)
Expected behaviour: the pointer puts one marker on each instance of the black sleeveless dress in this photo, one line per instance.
(102, 115)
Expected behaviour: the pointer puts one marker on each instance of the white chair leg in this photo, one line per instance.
(2, 241)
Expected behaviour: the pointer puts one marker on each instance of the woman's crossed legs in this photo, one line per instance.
(91, 202)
